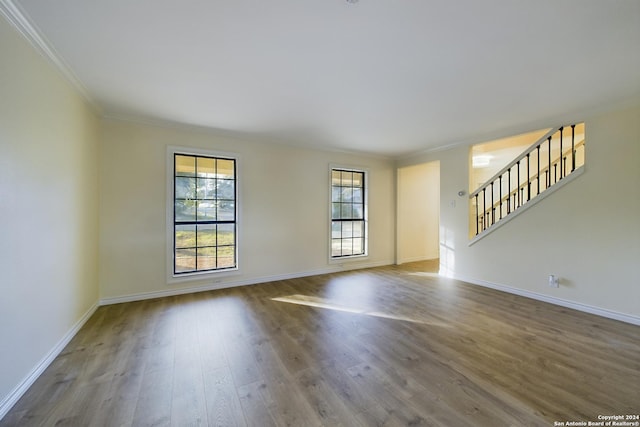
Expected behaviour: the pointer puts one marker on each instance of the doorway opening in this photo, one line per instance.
(418, 213)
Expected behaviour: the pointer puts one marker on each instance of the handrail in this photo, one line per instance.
(517, 159)
(532, 177)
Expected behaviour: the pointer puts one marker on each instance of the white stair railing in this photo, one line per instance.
(543, 164)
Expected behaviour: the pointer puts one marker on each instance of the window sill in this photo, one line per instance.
(348, 259)
(203, 276)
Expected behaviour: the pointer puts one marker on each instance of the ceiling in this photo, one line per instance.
(388, 77)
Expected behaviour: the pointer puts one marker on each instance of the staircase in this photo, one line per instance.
(551, 161)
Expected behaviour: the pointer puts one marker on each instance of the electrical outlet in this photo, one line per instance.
(554, 281)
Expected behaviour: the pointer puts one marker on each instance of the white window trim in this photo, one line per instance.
(350, 258)
(173, 278)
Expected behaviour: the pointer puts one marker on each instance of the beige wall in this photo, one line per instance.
(587, 233)
(48, 209)
(418, 212)
(284, 211)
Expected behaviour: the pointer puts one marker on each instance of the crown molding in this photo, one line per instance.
(19, 19)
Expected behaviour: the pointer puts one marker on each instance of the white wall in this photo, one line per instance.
(284, 211)
(587, 233)
(48, 210)
(418, 214)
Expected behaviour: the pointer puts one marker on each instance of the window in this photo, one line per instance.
(348, 213)
(204, 213)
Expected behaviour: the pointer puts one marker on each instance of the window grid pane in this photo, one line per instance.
(348, 206)
(204, 213)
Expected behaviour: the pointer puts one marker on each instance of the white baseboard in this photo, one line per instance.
(12, 398)
(603, 312)
(235, 283)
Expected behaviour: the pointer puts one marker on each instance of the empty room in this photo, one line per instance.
(319, 213)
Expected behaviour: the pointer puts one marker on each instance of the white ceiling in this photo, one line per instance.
(390, 77)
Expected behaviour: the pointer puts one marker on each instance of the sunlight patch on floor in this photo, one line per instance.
(311, 301)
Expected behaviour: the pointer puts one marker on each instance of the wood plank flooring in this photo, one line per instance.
(388, 346)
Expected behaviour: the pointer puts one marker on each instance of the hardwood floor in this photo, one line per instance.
(392, 346)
